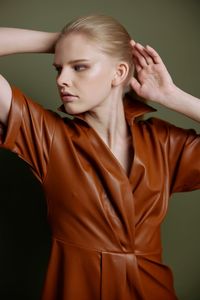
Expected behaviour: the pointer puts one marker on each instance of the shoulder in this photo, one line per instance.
(25, 104)
(166, 130)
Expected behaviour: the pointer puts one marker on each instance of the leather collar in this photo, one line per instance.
(133, 108)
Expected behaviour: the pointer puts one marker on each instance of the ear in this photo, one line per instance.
(122, 69)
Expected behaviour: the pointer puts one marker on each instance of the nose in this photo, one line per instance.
(64, 79)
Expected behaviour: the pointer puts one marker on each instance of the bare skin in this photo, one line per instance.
(97, 83)
(152, 82)
(15, 40)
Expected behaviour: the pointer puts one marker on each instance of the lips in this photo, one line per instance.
(67, 97)
(67, 94)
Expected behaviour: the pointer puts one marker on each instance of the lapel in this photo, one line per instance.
(118, 183)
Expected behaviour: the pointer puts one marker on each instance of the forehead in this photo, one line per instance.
(74, 46)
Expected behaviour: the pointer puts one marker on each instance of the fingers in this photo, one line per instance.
(132, 42)
(137, 64)
(134, 83)
(155, 56)
(144, 55)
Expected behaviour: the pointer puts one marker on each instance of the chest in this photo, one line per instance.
(82, 153)
(124, 153)
(86, 188)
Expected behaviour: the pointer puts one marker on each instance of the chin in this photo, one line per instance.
(73, 110)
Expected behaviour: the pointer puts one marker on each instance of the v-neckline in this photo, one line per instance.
(128, 176)
(133, 109)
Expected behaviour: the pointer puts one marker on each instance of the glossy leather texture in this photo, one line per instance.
(105, 225)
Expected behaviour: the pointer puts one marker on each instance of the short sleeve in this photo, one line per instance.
(181, 152)
(29, 132)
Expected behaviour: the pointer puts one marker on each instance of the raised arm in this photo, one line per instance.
(153, 82)
(5, 100)
(14, 40)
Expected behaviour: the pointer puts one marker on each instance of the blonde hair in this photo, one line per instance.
(110, 36)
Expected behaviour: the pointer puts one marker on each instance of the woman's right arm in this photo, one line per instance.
(12, 41)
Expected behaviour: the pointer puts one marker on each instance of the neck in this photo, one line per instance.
(108, 120)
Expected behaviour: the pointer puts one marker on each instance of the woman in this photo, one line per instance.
(107, 175)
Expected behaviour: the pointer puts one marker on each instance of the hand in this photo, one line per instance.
(152, 81)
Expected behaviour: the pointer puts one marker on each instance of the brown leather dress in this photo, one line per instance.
(105, 225)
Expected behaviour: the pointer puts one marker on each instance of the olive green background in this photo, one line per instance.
(173, 28)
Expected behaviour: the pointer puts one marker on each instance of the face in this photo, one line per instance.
(84, 74)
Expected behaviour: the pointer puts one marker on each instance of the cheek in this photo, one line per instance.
(101, 71)
(99, 78)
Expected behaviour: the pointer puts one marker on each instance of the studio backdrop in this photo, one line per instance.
(172, 27)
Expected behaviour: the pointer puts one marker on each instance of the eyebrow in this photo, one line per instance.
(72, 62)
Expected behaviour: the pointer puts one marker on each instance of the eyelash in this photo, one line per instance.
(77, 68)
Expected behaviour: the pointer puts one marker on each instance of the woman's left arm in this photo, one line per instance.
(153, 82)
